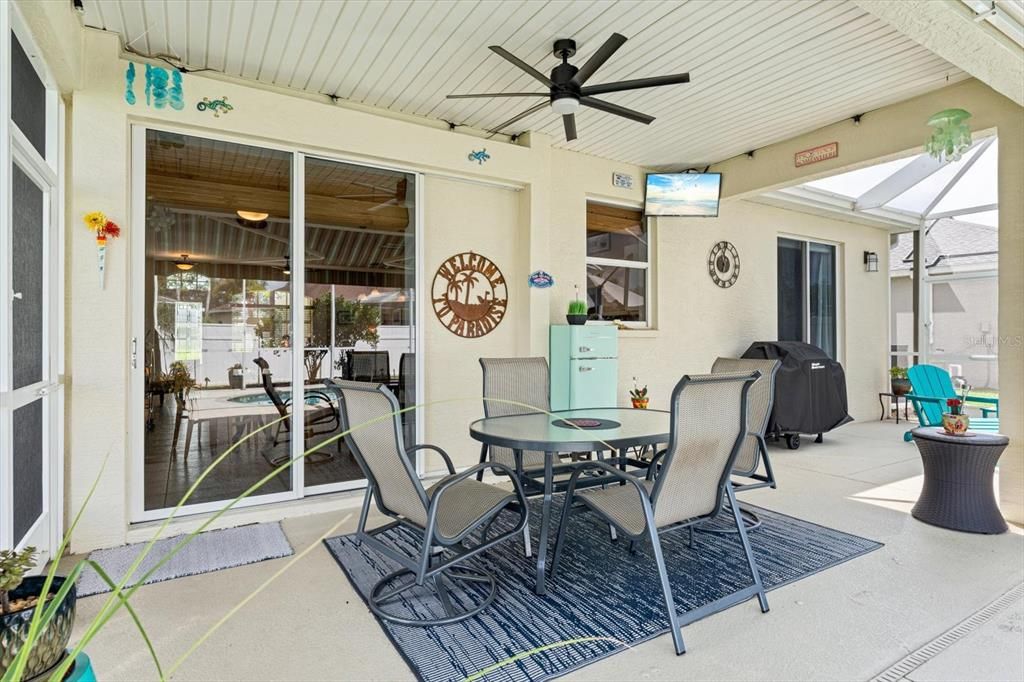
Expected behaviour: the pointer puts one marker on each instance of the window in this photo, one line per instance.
(807, 293)
(618, 263)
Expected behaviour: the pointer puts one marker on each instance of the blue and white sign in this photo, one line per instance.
(541, 280)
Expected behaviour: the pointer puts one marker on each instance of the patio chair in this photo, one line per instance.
(443, 517)
(754, 449)
(688, 486)
(931, 387)
(326, 417)
(369, 365)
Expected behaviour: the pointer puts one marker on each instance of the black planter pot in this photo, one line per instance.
(899, 386)
(576, 319)
(51, 644)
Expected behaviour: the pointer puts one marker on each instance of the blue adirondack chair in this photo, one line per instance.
(931, 387)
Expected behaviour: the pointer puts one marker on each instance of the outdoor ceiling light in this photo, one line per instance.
(287, 266)
(951, 137)
(184, 263)
(252, 216)
(565, 104)
(870, 261)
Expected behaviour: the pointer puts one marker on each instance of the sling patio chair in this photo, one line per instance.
(688, 486)
(319, 420)
(931, 387)
(754, 449)
(443, 517)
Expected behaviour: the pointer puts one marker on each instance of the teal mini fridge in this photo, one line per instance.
(584, 366)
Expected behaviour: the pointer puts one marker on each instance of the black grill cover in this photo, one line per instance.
(810, 388)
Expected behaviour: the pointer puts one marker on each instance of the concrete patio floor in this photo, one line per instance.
(850, 622)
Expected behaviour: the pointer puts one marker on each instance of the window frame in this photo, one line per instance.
(645, 265)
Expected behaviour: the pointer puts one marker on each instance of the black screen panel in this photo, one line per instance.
(28, 98)
(27, 276)
(28, 467)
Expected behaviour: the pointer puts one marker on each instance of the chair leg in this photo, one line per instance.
(528, 548)
(480, 474)
(188, 437)
(361, 528)
(690, 542)
(666, 589)
(762, 598)
(563, 524)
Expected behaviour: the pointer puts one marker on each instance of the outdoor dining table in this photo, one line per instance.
(617, 430)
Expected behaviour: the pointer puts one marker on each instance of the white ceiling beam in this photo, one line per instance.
(898, 183)
(956, 178)
(988, 10)
(949, 30)
(963, 211)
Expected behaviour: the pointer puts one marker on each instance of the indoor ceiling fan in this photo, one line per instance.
(567, 92)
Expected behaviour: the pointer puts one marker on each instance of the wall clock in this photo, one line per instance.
(724, 264)
(469, 295)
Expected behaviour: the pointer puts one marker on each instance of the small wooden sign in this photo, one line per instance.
(469, 295)
(815, 154)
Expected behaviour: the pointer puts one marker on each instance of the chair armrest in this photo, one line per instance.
(427, 446)
(652, 467)
(613, 471)
(471, 472)
(319, 395)
(983, 399)
(925, 399)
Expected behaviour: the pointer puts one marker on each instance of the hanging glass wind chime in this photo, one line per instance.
(950, 135)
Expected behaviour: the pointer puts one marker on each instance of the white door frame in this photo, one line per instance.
(136, 416)
(47, 172)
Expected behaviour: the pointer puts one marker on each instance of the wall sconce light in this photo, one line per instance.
(184, 263)
(870, 261)
(252, 216)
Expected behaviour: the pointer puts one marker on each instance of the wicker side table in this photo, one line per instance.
(958, 470)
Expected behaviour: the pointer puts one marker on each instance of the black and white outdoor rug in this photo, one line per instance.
(601, 591)
(210, 551)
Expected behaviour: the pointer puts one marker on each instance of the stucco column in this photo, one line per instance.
(535, 222)
(1011, 315)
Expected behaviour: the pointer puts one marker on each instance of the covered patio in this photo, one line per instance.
(466, 340)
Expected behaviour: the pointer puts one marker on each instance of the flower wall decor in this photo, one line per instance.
(104, 229)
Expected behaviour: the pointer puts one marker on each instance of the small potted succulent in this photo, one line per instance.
(19, 597)
(236, 376)
(899, 384)
(639, 396)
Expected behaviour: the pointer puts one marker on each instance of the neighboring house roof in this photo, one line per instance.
(949, 245)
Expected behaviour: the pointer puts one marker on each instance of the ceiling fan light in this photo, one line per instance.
(565, 105)
(184, 263)
(252, 216)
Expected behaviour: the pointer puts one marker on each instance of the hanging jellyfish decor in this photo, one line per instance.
(177, 93)
(950, 135)
(129, 84)
(104, 229)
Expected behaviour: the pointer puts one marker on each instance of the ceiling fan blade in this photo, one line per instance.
(636, 84)
(603, 54)
(502, 94)
(528, 112)
(569, 120)
(610, 108)
(499, 50)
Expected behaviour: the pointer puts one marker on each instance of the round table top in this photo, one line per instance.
(538, 432)
(972, 437)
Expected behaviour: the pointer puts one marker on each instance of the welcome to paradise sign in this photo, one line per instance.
(815, 154)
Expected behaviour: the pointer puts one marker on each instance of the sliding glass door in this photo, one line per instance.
(807, 294)
(264, 272)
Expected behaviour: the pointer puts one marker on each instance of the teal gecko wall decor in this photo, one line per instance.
(217, 106)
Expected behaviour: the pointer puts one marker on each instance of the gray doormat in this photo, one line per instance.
(207, 552)
(601, 591)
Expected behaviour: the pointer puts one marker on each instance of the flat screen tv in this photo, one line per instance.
(683, 194)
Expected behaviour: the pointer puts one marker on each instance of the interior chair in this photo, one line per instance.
(369, 365)
(754, 449)
(443, 517)
(931, 387)
(320, 420)
(687, 485)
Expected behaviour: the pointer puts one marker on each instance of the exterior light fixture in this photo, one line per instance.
(184, 263)
(252, 216)
(287, 266)
(950, 135)
(565, 104)
(870, 261)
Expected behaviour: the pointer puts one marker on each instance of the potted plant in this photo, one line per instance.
(577, 313)
(899, 384)
(639, 396)
(955, 422)
(236, 376)
(19, 597)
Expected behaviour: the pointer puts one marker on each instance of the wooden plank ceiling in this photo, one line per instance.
(761, 70)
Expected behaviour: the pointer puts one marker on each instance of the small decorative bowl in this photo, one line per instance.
(955, 424)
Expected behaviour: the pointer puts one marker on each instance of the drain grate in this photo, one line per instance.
(915, 659)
